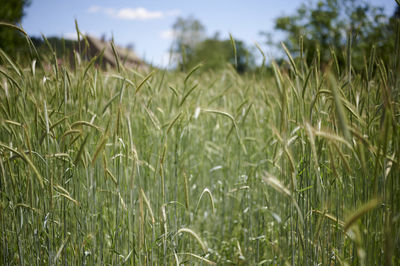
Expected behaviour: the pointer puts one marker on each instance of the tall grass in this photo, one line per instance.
(99, 167)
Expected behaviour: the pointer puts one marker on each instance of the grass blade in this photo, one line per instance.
(370, 205)
(192, 233)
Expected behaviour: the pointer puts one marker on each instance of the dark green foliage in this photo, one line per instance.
(328, 25)
(12, 11)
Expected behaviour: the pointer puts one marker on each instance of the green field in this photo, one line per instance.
(298, 165)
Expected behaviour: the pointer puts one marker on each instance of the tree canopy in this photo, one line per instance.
(216, 53)
(328, 26)
(188, 33)
(193, 48)
(12, 11)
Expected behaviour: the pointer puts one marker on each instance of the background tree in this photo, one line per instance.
(188, 32)
(11, 11)
(192, 47)
(216, 54)
(327, 24)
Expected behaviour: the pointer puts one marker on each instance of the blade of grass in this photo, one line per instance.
(370, 205)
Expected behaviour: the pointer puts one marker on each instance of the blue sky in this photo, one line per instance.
(147, 24)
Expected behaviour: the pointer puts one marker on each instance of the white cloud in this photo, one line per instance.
(167, 34)
(139, 13)
(109, 11)
(94, 9)
(127, 13)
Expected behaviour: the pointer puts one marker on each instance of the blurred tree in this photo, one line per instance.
(11, 11)
(327, 24)
(188, 33)
(215, 54)
(192, 47)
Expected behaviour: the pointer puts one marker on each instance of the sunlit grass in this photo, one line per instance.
(112, 167)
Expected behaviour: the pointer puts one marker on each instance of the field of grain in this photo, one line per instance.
(165, 168)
